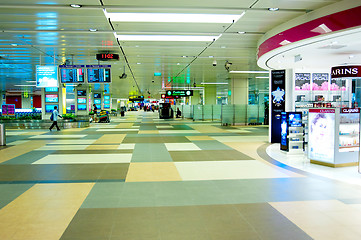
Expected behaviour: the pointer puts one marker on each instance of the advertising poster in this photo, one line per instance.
(278, 85)
(46, 76)
(284, 130)
(303, 81)
(338, 85)
(321, 135)
(320, 81)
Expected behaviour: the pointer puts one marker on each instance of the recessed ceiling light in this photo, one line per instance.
(211, 56)
(273, 9)
(241, 32)
(184, 56)
(93, 29)
(223, 46)
(178, 63)
(136, 46)
(138, 63)
(351, 56)
(180, 38)
(14, 44)
(262, 77)
(75, 5)
(173, 17)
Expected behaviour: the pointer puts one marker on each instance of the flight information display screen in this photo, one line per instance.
(72, 75)
(98, 75)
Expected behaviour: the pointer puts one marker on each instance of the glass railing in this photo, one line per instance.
(233, 114)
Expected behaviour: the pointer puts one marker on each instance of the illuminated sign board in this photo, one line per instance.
(8, 109)
(179, 93)
(46, 76)
(345, 71)
(107, 56)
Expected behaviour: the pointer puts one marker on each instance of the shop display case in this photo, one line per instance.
(292, 132)
(334, 136)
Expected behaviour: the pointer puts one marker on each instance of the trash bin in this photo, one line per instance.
(2, 135)
(122, 113)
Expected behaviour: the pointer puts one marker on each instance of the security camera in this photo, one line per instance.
(214, 63)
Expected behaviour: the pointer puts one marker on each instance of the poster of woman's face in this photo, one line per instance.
(321, 136)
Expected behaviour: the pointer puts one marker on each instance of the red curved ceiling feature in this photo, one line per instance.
(330, 23)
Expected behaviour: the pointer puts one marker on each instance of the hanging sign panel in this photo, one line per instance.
(46, 76)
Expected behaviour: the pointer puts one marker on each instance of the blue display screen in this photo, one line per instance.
(98, 75)
(51, 89)
(106, 102)
(51, 98)
(50, 108)
(284, 130)
(46, 76)
(295, 120)
(81, 106)
(81, 100)
(107, 97)
(72, 75)
(81, 93)
(97, 95)
(98, 106)
(97, 101)
(106, 106)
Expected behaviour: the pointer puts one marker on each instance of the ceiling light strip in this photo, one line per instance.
(179, 38)
(173, 17)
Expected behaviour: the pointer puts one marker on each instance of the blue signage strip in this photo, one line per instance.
(98, 66)
(71, 66)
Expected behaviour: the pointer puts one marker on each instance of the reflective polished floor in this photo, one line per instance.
(141, 177)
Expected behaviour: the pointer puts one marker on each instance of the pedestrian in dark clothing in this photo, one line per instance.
(54, 118)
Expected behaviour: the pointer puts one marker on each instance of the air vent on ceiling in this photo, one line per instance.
(333, 46)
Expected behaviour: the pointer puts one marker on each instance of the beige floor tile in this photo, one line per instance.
(124, 125)
(102, 147)
(199, 138)
(207, 128)
(20, 149)
(319, 221)
(152, 172)
(47, 219)
(110, 139)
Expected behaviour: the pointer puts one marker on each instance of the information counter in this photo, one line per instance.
(334, 136)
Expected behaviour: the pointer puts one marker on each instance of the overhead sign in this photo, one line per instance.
(179, 93)
(46, 76)
(345, 71)
(107, 56)
(71, 66)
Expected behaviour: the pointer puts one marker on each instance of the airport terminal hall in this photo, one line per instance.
(180, 120)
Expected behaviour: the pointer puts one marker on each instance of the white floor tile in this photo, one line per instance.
(84, 158)
(62, 147)
(162, 126)
(127, 146)
(217, 170)
(181, 146)
(13, 133)
(58, 136)
(242, 138)
(17, 142)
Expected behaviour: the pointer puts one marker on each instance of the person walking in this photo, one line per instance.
(54, 118)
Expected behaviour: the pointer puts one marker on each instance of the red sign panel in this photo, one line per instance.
(322, 110)
(346, 71)
(350, 110)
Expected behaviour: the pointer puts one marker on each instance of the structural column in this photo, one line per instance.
(239, 91)
(210, 95)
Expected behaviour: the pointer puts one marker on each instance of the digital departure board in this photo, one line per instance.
(72, 75)
(98, 75)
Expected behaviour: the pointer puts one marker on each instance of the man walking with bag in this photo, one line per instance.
(54, 117)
